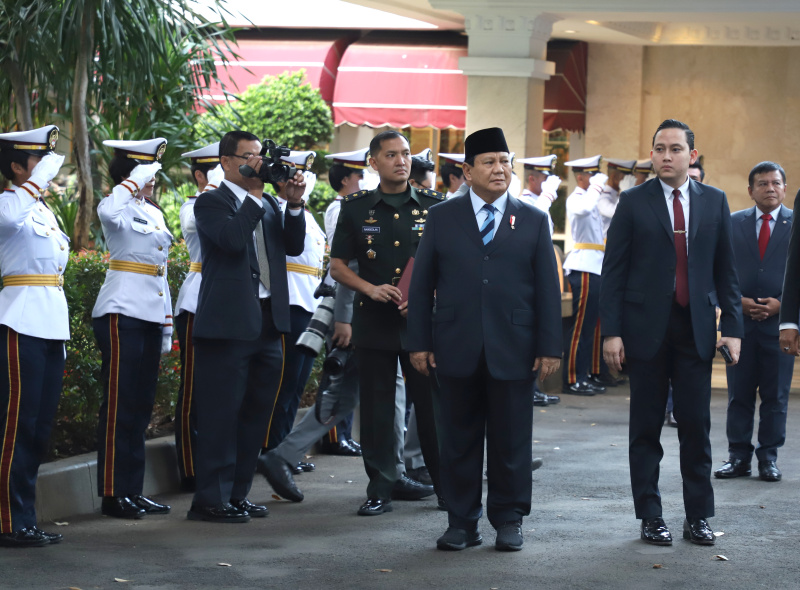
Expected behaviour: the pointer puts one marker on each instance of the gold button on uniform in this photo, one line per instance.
(160, 248)
(62, 247)
(47, 233)
(161, 293)
(396, 244)
(157, 228)
(397, 271)
(397, 216)
(60, 268)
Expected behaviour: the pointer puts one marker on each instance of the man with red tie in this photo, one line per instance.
(668, 264)
(760, 242)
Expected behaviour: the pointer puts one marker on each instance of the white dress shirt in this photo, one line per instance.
(684, 188)
(481, 214)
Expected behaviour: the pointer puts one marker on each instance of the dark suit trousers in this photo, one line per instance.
(236, 384)
(502, 411)
(676, 361)
(296, 369)
(30, 387)
(377, 384)
(762, 367)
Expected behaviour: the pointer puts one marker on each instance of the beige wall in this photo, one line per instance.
(743, 104)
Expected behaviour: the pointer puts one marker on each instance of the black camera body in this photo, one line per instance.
(272, 168)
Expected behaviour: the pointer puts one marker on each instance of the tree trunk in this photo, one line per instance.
(80, 131)
(21, 95)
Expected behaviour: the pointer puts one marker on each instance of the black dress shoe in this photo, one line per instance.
(30, 537)
(355, 444)
(655, 531)
(603, 380)
(306, 466)
(536, 463)
(540, 398)
(149, 506)
(597, 387)
(406, 488)
(552, 399)
(455, 539)
(768, 471)
(254, 510)
(733, 468)
(420, 474)
(277, 473)
(698, 531)
(343, 448)
(509, 536)
(121, 507)
(580, 388)
(375, 506)
(224, 513)
(52, 538)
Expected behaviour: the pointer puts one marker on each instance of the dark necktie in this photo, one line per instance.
(682, 259)
(763, 234)
(487, 229)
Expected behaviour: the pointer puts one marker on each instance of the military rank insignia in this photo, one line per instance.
(371, 254)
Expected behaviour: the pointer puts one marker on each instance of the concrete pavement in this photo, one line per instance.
(581, 535)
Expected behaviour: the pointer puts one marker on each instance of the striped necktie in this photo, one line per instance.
(487, 229)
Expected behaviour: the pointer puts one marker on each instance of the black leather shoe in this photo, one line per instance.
(536, 463)
(698, 531)
(552, 399)
(375, 506)
(343, 448)
(30, 537)
(420, 474)
(306, 466)
(277, 473)
(254, 510)
(455, 539)
(121, 507)
(509, 536)
(605, 380)
(655, 531)
(224, 513)
(733, 468)
(52, 538)
(768, 471)
(597, 387)
(540, 398)
(441, 504)
(580, 388)
(149, 506)
(355, 444)
(406, 488)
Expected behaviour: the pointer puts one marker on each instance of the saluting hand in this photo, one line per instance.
(546, 365)
(421, 360)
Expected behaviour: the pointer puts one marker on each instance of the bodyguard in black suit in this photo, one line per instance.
(484, 311)
(658, 312)
(760, 243)
(242, 314)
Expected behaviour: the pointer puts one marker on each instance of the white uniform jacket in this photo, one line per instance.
(302, 284)
(31, 243)
(187, 296)
(542, 203)
(586, 225)
(607, 205)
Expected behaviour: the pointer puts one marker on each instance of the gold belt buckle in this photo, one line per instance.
(60, 280)
(395, 281)
(160, 270)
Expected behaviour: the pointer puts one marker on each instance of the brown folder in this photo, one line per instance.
(405, 280)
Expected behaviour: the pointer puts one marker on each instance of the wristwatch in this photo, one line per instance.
(299, 205)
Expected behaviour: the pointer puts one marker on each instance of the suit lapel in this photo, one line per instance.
(465, 215)
(747, 229)
(697, 205)
(501, 233)
(780, 234)
(659, 205)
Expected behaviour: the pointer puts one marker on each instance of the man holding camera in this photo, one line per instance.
(242, 314)
(381, 229)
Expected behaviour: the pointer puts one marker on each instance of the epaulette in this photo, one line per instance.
(431, 193)
(153, 203)
(356, 195)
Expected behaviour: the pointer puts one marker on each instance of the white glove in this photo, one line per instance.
(550, 187)
(598, 181)
(46, 170)
(166, 340)
(215, 177)
(143, 173)
(311, 180)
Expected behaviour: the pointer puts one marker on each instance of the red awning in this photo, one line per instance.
(565, 92)
(401, 85)
(259, 58)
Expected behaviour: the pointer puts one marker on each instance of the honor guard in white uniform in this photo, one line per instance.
(618, 171)
(583, 265)
(451, 173)
(132, 324)
(642, 171)
(347, 170)
(304, 273)
(207, 175)
(34, 324)
(541, 184)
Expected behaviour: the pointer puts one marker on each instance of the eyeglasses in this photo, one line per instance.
(245, 157)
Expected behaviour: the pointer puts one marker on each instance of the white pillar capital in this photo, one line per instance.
(509, 67)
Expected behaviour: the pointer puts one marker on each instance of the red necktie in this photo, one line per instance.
(763, 235)
(682, 258)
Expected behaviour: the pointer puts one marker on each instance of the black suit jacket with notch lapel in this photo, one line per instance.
(639, 270)
(503, 299)
(790, 304)
(228, 305)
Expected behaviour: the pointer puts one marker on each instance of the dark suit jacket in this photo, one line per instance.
(790, 304)
(504, 300)
(757, 277)
(228, 305)
(639, 270)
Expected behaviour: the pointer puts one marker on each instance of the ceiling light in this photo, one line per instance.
(592, 22)
(570, 31)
